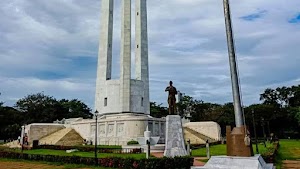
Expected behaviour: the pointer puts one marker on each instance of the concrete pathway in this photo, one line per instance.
(199, 163)
(291, 164)
(196, 159)
(13, 144)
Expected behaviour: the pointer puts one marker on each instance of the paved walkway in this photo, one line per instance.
(196, 159)
(291, 164)
(13, 144)
(26, 165)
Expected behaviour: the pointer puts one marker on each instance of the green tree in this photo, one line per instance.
(10, 122)
(283, 110)
(75, 108)
(294, 101)
(46, 109)
(282, 96)
(295, 112)
(186, 106)
(297, 115)
(226, 116)
(157, 110)
(39, 108)
(270, 96)
(1, 103)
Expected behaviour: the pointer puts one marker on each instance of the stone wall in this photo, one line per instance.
(38, 131)
(118, 129)
(84, 129)
(206, 129)
(193, 139)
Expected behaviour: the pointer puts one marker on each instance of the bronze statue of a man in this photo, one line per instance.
(171, 98)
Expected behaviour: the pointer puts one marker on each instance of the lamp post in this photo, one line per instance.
(254, 128)
(263, 128)
(22, 137)
(96, 124)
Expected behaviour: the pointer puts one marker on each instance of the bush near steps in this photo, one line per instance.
(270, 154)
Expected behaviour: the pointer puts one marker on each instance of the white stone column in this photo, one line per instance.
(106, 131)
(105, 52)
(22, 134)
(125, 58)
(141, 49)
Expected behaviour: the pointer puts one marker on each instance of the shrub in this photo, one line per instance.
(132, 142)
(270, 154)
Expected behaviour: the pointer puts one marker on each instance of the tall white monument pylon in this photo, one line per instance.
(123, 104)
(124, 95)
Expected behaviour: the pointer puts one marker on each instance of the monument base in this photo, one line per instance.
(227, 162)
(174, 145)
(236, 144)
(118, 129)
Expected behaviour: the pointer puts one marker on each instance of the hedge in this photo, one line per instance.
(270, 154)
(114, 162)
(132, 142)
(196, 146)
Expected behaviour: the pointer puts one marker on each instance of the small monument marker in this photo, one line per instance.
(147, 140)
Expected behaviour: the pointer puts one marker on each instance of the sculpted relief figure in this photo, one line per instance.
(171, 98)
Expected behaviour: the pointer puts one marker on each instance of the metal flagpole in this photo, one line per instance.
(233, 67)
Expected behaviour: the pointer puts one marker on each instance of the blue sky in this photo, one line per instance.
(52, 46)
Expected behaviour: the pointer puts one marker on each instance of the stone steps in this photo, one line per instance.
(53, 138)
(72, 138)
(199, 135)
(13, 144)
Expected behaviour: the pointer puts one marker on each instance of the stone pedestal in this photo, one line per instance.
(236, 144)
(174, 145)
(227, 162)
(118, 129)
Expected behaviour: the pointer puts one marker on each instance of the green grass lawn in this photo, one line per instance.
(288, 150)
(220, 149)
(83, 154)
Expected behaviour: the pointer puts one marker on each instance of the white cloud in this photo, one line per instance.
(13, 89)
(187, 44)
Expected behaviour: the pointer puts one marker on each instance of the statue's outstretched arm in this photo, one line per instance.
(167, 89)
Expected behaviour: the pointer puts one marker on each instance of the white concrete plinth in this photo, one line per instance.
(227, 162)
(174, 145)
(118, 129)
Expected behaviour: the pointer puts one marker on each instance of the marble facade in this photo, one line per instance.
(121, 128)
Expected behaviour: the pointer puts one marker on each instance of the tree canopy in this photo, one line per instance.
(38, 108)
(278, 113)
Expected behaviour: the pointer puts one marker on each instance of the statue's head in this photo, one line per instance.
(171, 83)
